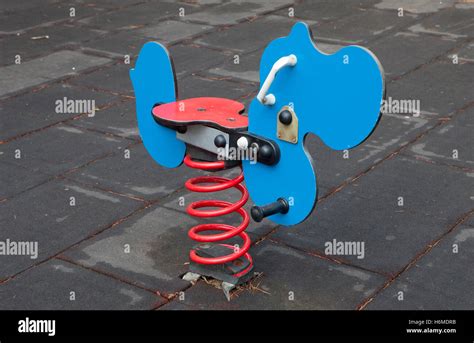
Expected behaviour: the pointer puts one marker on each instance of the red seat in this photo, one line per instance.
(217, 112)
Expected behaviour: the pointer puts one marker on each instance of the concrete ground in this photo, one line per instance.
(110, 229)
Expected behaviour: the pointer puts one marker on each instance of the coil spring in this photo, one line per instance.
(215, 184)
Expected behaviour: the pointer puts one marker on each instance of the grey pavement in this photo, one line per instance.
(106, 228)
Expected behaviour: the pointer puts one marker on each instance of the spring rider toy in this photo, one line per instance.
(336, 97)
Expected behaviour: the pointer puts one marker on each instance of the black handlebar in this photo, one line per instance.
(260, 212)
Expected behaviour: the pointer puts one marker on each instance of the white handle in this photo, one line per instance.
(270, 99)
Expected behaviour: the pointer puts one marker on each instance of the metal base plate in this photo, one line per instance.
(223, 272)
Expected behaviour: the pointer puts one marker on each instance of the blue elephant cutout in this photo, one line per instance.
(336, 97)
(154, 82)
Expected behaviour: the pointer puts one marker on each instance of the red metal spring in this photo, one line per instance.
(215, 184)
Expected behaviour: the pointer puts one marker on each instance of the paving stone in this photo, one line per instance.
(189, 59)
(235, 11)
(137, 176)
(37, 109)
(367, 211)
(250, 36)
(172, 30)
(138, 16)
(110, 4)
(195, 86)
(419, 6)
(43, 69)
(44, 215)
(415, 183)
(26, 18)
(14, 5)
(334, 167)
(59, 148)
(405, 51)
(466, 53)
(92, 291)
(470, 220)
(327, 10)
(363, 26)
(428, 85)
(122, 43)
(159, 249)
(15, 81)
(119, 119)
(438, 281)
(43, 40)
(454, 136)
(319, 285)
(451, 22)
(249, 64)
(246, 69)
(115, 79)
(15, 179)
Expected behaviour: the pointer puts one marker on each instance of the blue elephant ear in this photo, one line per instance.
(153, 80)
(336, 97)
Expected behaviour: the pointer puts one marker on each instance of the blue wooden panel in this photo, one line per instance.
(154, 82)
(336, 97)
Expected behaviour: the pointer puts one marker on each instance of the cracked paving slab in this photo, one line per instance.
(65, 286)
(320, 289)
